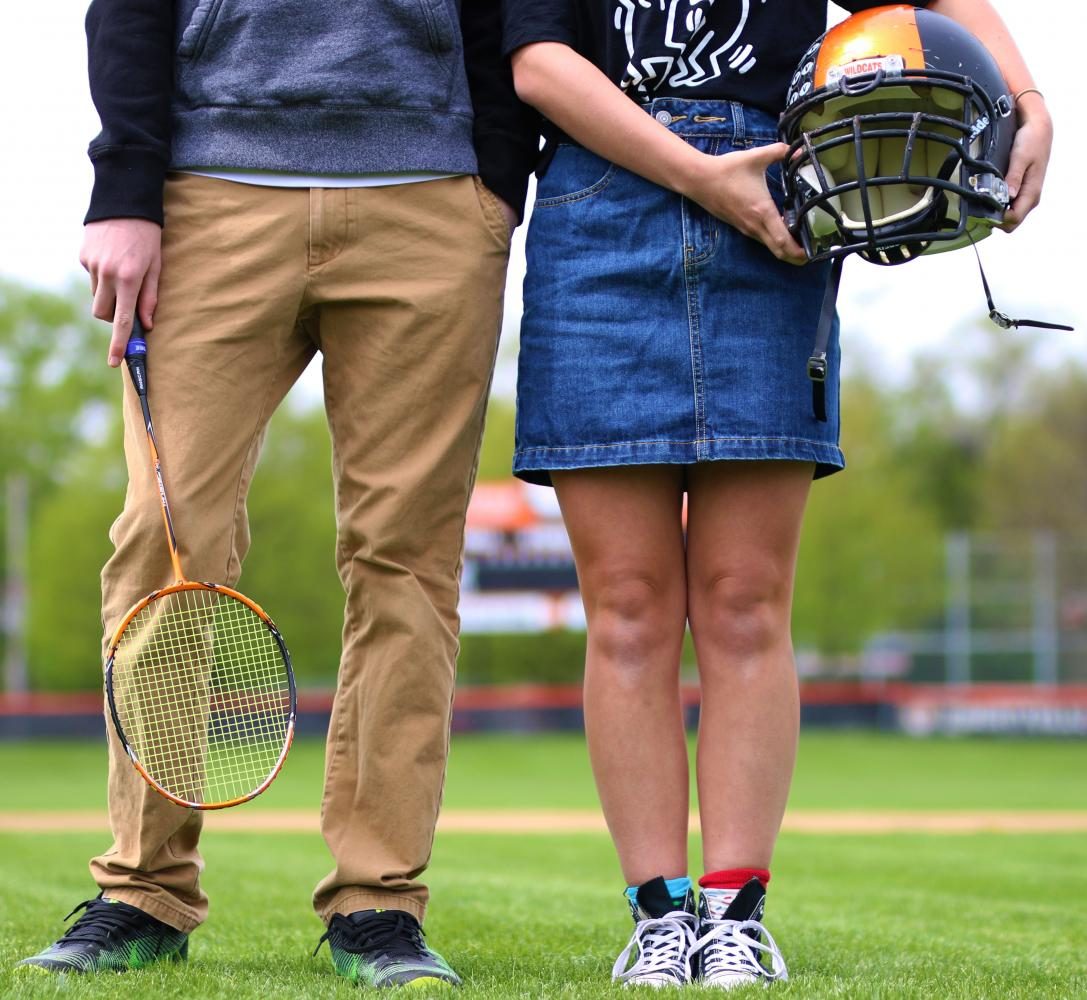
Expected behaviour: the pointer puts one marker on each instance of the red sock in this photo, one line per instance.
(733, 878)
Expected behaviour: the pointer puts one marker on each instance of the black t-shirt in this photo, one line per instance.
(735, 50)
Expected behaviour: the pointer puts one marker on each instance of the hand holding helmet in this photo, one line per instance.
(1029, 158)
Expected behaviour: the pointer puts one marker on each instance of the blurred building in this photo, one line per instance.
(519, 571)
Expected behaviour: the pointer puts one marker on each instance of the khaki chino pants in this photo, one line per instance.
(400, 289)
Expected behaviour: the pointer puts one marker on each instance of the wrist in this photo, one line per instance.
(1030, 104)
(691, 174)
(1020, 94)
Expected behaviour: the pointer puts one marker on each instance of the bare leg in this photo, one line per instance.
(625, 528)
(743, 530)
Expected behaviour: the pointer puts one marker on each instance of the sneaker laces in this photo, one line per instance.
(395, 932)
(729, 946)
(663, 945)
(101, 919)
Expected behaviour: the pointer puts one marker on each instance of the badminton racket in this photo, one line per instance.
(198, 678)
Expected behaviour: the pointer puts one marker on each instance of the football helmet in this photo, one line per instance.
(900, 127)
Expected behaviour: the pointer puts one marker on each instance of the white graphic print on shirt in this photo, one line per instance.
(677, 41)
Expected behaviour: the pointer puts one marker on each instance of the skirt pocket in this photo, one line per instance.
(574, 175)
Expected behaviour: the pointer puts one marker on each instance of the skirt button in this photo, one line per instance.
(664, 117)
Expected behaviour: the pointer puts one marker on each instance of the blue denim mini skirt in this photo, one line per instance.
(653, 332)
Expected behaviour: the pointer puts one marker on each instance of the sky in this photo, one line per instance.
(889, 315)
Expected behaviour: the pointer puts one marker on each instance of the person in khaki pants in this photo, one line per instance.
(273, 180)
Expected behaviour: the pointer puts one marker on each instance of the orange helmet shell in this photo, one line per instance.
(879, 38)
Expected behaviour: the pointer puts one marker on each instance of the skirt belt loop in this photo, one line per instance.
(739, 125)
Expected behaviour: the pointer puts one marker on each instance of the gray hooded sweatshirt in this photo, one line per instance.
(321, 86)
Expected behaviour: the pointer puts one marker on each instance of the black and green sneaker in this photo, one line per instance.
(111, 935)
(384, 948)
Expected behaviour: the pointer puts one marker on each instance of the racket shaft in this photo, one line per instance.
(136, 360)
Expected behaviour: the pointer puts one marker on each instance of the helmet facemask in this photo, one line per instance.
(892, 166)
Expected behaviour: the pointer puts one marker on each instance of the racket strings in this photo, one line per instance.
(203, 695)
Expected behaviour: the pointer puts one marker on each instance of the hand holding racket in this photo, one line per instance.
(198, 678)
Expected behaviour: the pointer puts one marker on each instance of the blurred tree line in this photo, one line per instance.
(987, 439)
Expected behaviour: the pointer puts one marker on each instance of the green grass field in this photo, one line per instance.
(535, 915)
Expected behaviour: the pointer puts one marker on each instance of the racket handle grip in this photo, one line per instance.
(136, 357)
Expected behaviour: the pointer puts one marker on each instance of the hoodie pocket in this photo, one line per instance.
(439, 24)
(195, 36)
(331, 53)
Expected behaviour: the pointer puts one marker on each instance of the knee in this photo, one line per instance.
(742, 615)
(633, 618)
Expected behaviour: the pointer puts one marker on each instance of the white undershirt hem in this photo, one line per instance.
(271, 178)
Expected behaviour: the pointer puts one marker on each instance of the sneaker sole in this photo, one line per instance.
(736, 983)
(657, 984)
(175, 957)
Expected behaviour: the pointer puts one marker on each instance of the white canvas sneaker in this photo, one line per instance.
(732, 948)
(658, 953)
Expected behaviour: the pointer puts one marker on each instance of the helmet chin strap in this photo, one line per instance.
(817, 363)
(1002, 320)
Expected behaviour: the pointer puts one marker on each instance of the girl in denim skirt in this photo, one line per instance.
(667, 325)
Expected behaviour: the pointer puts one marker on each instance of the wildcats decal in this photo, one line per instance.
(890, 65)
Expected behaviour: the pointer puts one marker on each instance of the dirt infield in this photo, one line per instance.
(589, 821)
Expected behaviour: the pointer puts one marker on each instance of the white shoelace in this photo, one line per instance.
(727, 951)
(663, 945)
